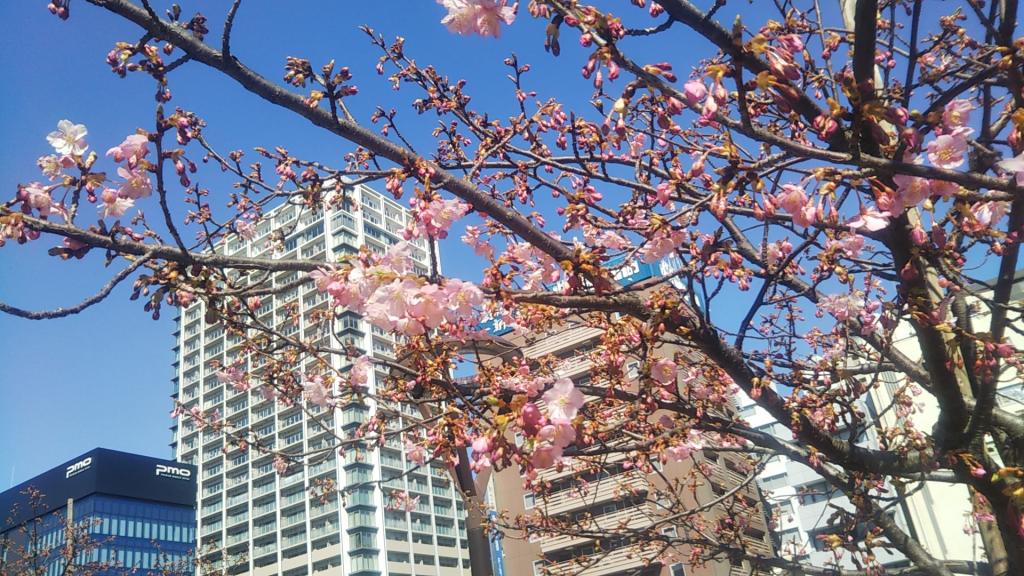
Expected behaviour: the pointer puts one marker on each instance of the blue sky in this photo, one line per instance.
(102, 378)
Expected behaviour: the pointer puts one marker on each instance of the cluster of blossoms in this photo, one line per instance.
(536, 266)
(661, 243)
(317, 390)
(402, 501)
(197, 415)
(433, 219)
(70, 147)
(395, 300)
(483, 17)
(553, 432)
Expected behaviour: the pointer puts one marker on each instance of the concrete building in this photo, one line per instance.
(255, 521)
(617, 496)
(801, 501)
(132, 515)
(934, 513)
(937, 510)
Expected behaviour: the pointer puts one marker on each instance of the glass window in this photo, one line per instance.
(678, 570)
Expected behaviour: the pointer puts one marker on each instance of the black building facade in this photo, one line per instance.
(105, 512)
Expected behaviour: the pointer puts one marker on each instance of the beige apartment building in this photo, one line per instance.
(607, 493)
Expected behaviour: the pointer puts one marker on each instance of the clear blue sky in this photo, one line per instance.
(103, 378)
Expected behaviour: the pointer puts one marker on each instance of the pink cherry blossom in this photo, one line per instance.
(415, 453)
(988, 214)
(532, 417)
(850, 244)
(480, 246)
(911, 190)
(134, 148)
(68, 138)
(390, 303)
(794, 200)
(112, 205)
(842, 306)
(245, 229)
(234, 376)
(37, 197)
(402, 501)
(428, 306)
(695, 92)
(778, 250)
(434, 219)
(462, 299)
(545, 456)
(1014, 166)
(682, 450)
(559, 433)
(947, 151)
(870, 219)
(136, 184)
(792, 43)
(316, 392)
(398, 258)
(326, 279)
(664, 370)
(359, 375)
(280, 465)
(53, 166)
(482, 446)
(483, 17)
(661, 244)
(563, 400)
(956, 114)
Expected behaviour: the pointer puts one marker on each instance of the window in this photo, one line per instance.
(669, 531)
(773, 482)
(364, 563)
(538, 568)
(364, 540)
(785, 509)
(817, 492)
(423, 559)
(633, 370)
(398, 557)
(529, 500)
(678, 570)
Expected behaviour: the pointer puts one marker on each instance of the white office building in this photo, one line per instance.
(801, 502)
(252, 520)
(935, 514)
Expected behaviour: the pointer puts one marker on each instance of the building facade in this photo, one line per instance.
(936, 514)
(253, 520)
(109, 512)
(940, 513)
(801, 502)
(620, 497)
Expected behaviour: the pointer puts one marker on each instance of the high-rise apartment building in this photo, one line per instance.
(131, 515)
(253, 520)
(616, 496)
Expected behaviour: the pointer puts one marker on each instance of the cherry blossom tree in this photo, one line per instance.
(849, 174)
